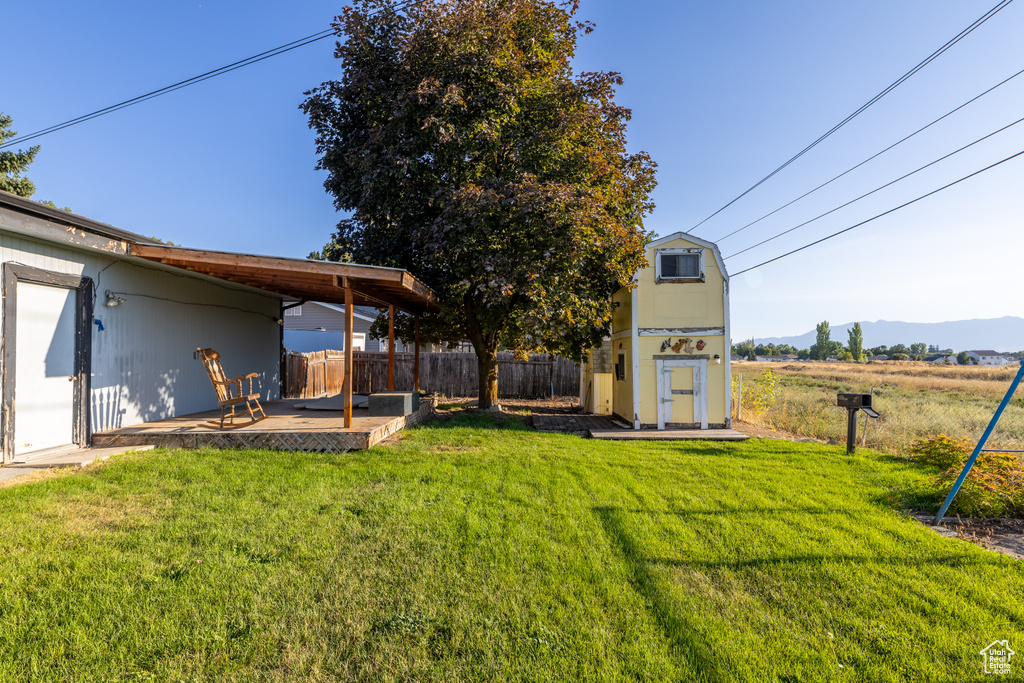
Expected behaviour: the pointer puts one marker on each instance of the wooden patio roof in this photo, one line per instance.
(300, 278)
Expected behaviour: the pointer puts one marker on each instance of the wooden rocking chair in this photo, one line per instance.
(225, 397)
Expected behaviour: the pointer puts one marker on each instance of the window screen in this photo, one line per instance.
(680, 265)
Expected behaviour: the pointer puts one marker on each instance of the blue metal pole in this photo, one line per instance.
(981, 444)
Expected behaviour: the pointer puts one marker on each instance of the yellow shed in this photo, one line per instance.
(666, 364)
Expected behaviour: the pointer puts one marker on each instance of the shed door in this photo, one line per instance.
(682, 392)
(44, 368)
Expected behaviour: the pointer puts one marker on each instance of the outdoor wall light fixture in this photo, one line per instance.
(113, 299)
(320, 329)
(718, 359)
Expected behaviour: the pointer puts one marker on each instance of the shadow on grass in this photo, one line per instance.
(759, 511)
(946, 559)
(476, 420)
(916, 495)
(684, 634)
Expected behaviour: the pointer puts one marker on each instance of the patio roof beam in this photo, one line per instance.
(301, 278)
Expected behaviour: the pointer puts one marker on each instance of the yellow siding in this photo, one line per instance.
(650, 347)
(602, 394)
(622, 320)
(682, 305)
(622, 313)
(596, 388)
(670, 306)
(622, 390)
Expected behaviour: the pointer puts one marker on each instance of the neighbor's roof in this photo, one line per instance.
(986, 352)
(296, 278)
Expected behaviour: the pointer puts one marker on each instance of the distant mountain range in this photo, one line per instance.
(1000, 334)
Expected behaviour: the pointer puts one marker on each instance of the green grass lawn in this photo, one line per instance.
(473, 551)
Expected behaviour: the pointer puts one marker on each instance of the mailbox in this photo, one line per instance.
(854, 402)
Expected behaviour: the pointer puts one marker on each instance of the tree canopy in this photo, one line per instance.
(14, 163)
(469, 152)
(856, 342)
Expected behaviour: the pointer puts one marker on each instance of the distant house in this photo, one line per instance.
(784, 358)
(988, 357)
(943, 360)
(315, 326)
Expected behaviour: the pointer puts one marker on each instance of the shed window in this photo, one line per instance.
(680, 265)
(620, 367)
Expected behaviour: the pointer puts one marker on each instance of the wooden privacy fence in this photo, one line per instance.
(321, 373)
(312, 375)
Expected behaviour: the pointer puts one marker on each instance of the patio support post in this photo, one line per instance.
(416, 361)
(391, 348)
(349, 354)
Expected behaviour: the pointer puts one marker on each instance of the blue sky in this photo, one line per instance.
(722, 93)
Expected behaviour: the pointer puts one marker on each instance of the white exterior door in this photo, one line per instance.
(44, 368)
(682, 392)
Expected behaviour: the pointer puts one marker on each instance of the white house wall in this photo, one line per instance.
(143, 367)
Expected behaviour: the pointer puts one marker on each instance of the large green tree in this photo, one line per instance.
(14, 163)
(823, 341)
(469, 152)
(856, 342)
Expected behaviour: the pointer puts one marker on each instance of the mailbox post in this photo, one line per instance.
(853, 403)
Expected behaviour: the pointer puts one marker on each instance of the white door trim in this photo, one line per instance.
(13, 273)
(663, 368)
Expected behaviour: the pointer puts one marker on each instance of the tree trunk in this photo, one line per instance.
(486, 347)
(487, 366)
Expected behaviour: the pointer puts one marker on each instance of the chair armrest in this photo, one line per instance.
(242, 378)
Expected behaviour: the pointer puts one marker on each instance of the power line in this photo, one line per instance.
(884, 213)
(953, 41)
(174, 86)
(877, 189)
(874, 156)
(259, 57)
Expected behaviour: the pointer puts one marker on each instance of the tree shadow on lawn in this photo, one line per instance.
(685, 632)
(476, 420)
(759, 511)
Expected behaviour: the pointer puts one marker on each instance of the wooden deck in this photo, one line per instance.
(286, 428)
(669, 434)
(572, 423)
(605, 427)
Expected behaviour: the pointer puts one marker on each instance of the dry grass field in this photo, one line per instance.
(916, 400)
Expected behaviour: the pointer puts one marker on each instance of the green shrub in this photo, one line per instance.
(993, 488)
(762, 395)
(941, 451)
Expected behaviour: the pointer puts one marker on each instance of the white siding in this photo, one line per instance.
(315, 315)
(143, 367)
